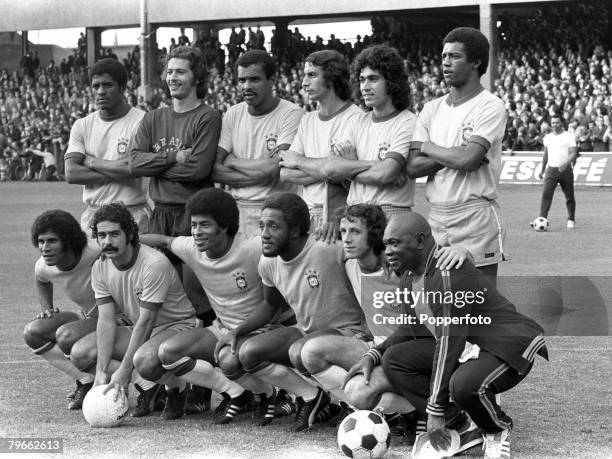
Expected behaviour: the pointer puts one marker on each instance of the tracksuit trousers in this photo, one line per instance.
(473, 385)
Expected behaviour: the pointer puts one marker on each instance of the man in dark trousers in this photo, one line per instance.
(464, 307)
(560, 154)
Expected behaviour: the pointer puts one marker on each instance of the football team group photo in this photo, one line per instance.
(249, 242)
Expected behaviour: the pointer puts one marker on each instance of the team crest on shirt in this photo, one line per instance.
(122, 146)
(240, 279)
(467, 127)
(383, 147)
(312, 276)
(138, 292)
(271, 143)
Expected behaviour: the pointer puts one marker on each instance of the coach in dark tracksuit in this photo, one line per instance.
(428, 372)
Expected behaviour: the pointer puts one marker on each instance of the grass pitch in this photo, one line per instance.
(562, 409)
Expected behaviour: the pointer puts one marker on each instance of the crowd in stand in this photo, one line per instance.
(554, 61)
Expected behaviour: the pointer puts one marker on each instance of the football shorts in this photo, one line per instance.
(250, 213)
(475, 225)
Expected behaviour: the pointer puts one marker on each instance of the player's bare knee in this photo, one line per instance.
(295, 355)
(358, 394)
(229, 363)
(168, 353)
(83, 356)
(313, 357)
(65, 337)
(33, 334)
(249, 356)
(29, 336)
(147, 363)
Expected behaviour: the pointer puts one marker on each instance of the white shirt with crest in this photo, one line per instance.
(482, 118)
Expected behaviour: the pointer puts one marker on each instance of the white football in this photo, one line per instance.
(364, 434)
(423, 449)
(102, 410)
(540, 224)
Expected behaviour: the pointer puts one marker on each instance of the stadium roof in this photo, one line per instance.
(56, 14)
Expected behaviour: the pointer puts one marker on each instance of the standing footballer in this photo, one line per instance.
(327, 82)
(99, 144)
(457, 146)
(373, 148)
(253, 133)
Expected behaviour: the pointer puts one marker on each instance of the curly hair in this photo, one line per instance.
(112, 67)
(335, 69)
(64, 225)
(198, 67)
(116, 213)
(294, 210)
(375, 220)
(257, 57)
(219, 204)
(388, 62)
(475, 44)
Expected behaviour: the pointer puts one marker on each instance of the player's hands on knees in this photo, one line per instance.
(47, 313)
(452, 257)
(439, 437)
(364, 367)
(229, 339)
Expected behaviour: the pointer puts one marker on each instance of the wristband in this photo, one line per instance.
(416, 145)
(374, 355)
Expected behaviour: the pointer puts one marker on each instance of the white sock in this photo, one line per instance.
(331, 379)
(391, 402)
(205, 375)
(255, 384)
(57, 358)
(282, 376)
(144, 384)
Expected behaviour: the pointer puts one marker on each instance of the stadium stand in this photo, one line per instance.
(567, 74)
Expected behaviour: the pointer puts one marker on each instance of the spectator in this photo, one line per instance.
(172, 44)
(598, 131)
(555, 61)
(261, 39)
(82, 44)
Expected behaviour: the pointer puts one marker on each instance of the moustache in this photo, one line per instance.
(110, 248)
